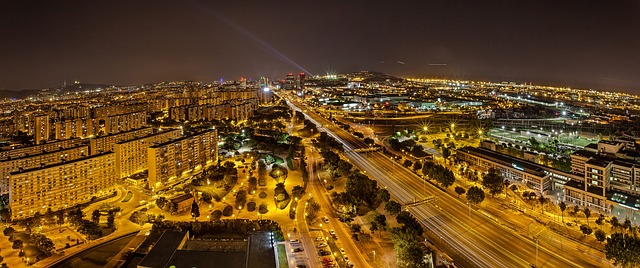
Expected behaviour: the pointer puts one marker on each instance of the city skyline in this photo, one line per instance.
(566, 44)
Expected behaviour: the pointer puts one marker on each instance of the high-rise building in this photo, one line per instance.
(107, 143)
(37, 160)
(42, 129)
(61, 185)
(131, 155)
(173, 159)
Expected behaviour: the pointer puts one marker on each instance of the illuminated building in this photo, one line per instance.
(131, 155)
(172, 159)
(34, 161)
(61, 185)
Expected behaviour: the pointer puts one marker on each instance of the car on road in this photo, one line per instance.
(332, 232)
(326, 219)
(301, 266)
(294, 241)
(321, 245)
(295, 250)
(342, 251)
(323, 252)
(319, 238)
(346, 259)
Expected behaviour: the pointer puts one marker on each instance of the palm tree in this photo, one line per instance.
(562, 206)
(576, 208)
(587, 213)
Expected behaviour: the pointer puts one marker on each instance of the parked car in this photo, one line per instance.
(295, 250)
(321, 245)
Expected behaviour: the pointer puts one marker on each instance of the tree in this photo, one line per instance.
(195, 210)
(475, 195)
(17, 244)
(407, 163)
(493, 182)
(417, 166)
(586, 230)
(383, 195)
(600, 219)
(95, 216)
(600, 235)
(445, 152)
(241, 199)
(253, 184)
(459, 190)
(563, 207)
(228, 210)
(623, 249)
(297, 191)
(374, 227)
(216, 215)
(576, 209)
(392, 207)
(587, 213)
(543, 200)
(9, 231)
(380, 220)
(408, 248)
(262, 209)
(614, 222)
(111, 220)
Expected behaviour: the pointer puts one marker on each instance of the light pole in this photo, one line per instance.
(374, 256)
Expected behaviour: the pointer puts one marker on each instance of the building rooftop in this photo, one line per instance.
(61, 163)
(598, 161)
(506, 160)
(163, 250)
(181, 198)
(179, 139)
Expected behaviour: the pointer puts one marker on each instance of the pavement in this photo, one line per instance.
(472, 238)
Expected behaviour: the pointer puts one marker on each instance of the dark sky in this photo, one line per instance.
(593, 44)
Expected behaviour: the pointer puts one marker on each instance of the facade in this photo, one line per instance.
(107, 143)
(39, 149)
(182, 202)
(61, 185)
(510, 168)
(124, 122)
(35, 161)
(172, 159)
(131, 155)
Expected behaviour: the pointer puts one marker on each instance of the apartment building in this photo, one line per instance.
(172, 159)
(108, 142)
(74, 128)
(61, 185)
(124, 122)
(39, 149)
(37, 160)
(131, 155)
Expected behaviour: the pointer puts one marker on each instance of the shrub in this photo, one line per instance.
(262, 195)
(263, 208)
(216, 215)
(251, 206)
(227, 211)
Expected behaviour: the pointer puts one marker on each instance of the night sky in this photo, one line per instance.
(589, 44)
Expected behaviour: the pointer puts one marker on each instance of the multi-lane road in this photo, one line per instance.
(472, 241)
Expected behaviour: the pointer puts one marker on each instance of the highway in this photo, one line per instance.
(482, 242)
